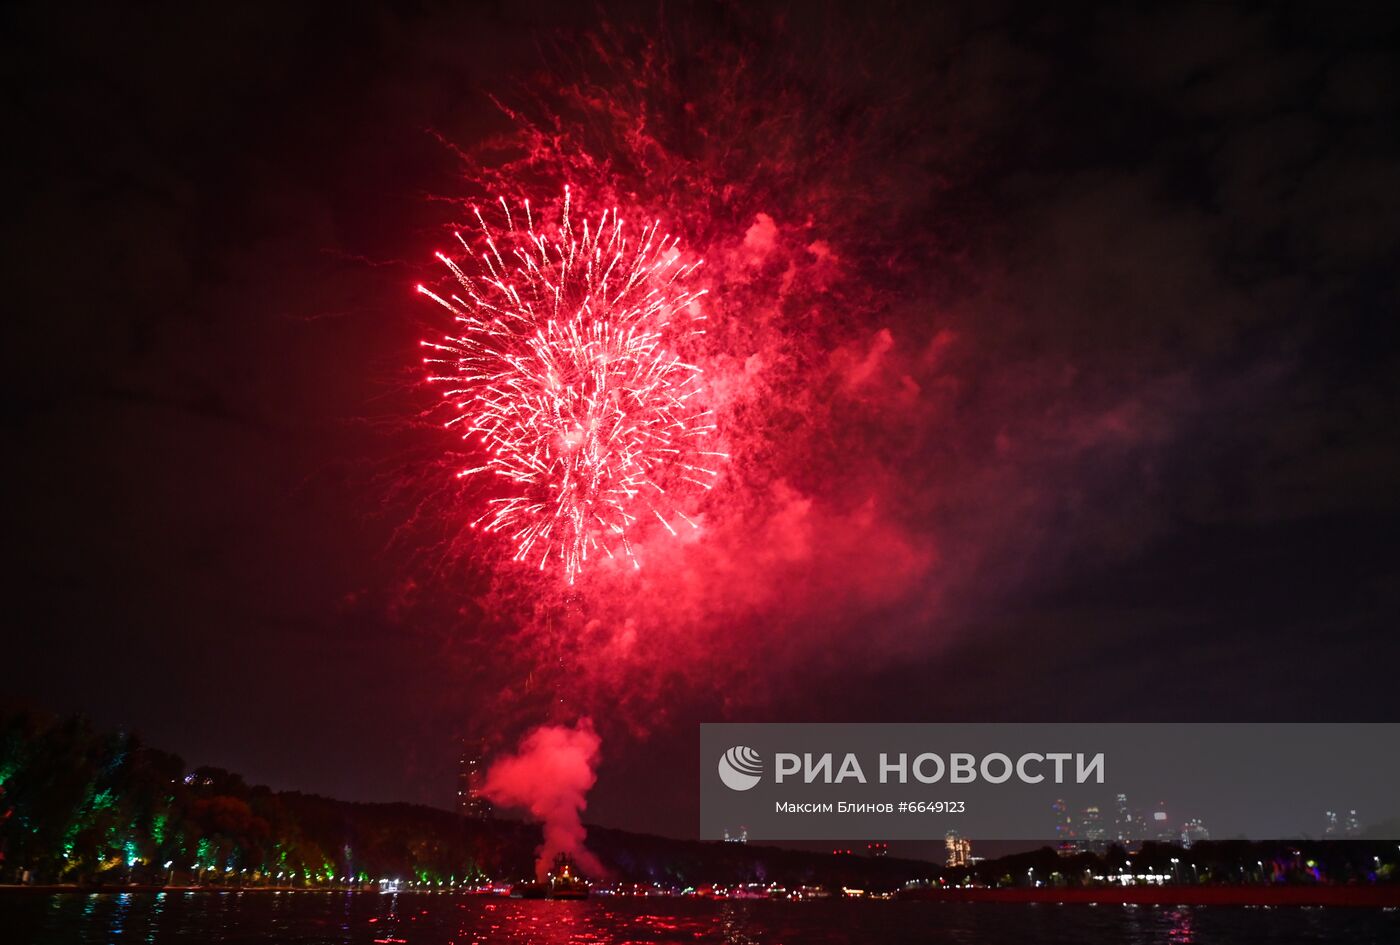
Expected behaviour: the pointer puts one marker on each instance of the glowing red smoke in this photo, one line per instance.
(819, 399)
(551, 776)
(900, 434)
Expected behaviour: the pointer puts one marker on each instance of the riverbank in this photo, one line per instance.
(1360, 896)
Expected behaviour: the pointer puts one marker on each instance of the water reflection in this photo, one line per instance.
(119, 914)
(1183, 926)
(736, 924)
(413, 919)
(157, 907)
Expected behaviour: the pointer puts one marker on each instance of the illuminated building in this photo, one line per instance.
(1193, 831)
(959, 849)
(1066, 840)
(1127, 824)
(471, 778)
(1162, 829)
(1335, 827)
(1092, 832)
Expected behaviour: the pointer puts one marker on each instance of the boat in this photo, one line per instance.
(564, 882)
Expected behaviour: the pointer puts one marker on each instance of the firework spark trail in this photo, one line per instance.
(564, 368)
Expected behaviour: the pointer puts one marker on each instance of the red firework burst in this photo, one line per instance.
(564, 368)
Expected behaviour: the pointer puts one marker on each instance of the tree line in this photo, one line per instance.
(78, 804)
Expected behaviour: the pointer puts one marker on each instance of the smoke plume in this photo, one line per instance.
(550, 776)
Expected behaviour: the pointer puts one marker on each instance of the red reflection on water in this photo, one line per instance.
(1183, 928)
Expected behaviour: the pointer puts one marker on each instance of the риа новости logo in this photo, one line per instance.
(740, 768)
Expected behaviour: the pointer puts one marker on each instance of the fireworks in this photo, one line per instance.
(564, 370)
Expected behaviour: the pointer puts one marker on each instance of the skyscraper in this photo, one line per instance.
(958, 849)
(1066, 840)
(1161, 828)
(1193, 831)
(471, 778)
(1127, 826)
(1093, 833)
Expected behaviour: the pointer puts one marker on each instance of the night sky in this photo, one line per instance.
(1057, 349)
